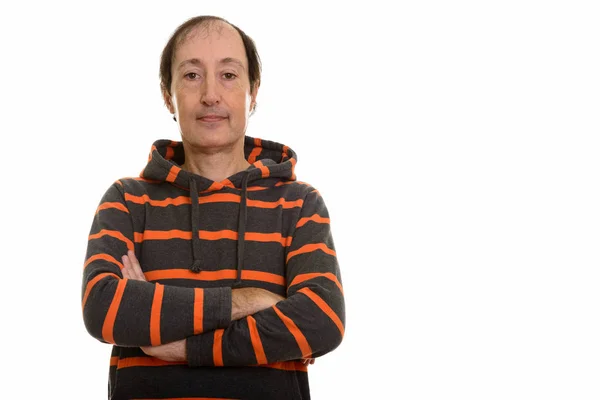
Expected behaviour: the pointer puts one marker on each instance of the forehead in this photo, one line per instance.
(211, 42)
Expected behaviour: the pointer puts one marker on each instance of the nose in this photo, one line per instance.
(210, 95)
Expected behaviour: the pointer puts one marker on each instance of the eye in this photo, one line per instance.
(191, 75)
(229, 76)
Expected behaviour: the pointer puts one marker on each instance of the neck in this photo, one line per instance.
(215, 165)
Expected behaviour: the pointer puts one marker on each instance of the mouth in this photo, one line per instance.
(212, 118)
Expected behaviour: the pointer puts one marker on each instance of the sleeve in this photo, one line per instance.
(309, 323)
(136, 313)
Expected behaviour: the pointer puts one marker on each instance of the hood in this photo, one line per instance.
(270, 162)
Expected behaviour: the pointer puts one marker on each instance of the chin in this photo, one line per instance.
(212, 138)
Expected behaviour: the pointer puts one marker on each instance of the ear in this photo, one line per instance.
(168, 99)
(253, 94)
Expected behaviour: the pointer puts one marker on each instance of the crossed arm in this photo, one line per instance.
(244, 302)
(217, 326)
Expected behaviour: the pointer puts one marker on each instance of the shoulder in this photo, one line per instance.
(300, 187)
(134, 184)
(308, 194)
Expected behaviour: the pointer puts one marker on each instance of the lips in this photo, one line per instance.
(212, 118)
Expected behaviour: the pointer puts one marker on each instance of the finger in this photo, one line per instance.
(147, 350)
(312, 360)
(135, 266)
(126, 271)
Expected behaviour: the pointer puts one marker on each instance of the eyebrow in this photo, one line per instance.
(196, 61)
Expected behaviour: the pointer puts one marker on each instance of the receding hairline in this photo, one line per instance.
(207, 26)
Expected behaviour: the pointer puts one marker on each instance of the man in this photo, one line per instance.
(214, 273)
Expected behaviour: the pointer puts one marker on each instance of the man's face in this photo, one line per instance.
(211, 94)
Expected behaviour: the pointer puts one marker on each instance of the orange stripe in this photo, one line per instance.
(305, 277)
(315, 217)
(263, 277)
(162, 235)
(259, 351)
(220, 198)
(111, 315)
(258, 142)
(293, 161)
(169, 154)
(256, 188)
(214, 198)
(307, 248)
(268, 237)
(176, 201)
(214, 275)
(274, 204)
(214, 187)
(325, 307)
(263, 169)
(250, 236)
(300, 339)
(103, 256)
(173, 172)
(218, 348)
(212, 235)
(291, 183)
(217, 235)
(112, 204)
(226, 182)
(253, 154)
(198, 311)
(145, 362)
(113, 361)
(155, 362)
(187, 274)
(119, 182)
(115, 234)
(93, 282)
(155, 315)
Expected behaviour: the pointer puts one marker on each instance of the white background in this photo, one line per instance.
(455, 143)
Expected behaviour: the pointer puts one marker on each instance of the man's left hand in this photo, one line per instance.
(132, 268)
(174, 351)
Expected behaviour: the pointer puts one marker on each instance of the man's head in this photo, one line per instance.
(210, 75)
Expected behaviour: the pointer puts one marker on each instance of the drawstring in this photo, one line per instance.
(195, 215)
(196, 265)
(241, 231)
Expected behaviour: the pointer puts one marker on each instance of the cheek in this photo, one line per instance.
(186, 100)
(239, 99)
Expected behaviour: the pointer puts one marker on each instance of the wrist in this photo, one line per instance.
(237, 304)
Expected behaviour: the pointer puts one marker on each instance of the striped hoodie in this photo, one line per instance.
(196, 240)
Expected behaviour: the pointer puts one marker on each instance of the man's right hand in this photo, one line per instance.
(247, 301)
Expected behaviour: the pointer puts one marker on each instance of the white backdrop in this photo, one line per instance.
(455, 144)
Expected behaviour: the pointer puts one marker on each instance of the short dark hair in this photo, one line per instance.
(180, 34)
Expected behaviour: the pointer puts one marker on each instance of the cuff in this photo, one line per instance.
(217, 309)
(199, 350)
